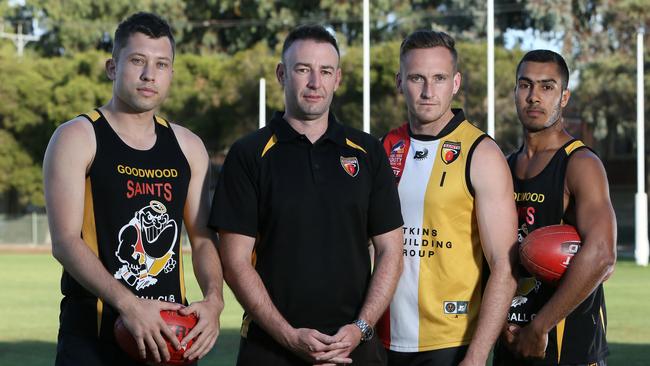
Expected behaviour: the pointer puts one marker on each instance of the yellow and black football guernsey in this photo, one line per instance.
(580, 338)
(438, 296)
(133, 214)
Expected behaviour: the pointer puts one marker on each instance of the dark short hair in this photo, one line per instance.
(148, 24)
(313, 32)
(429, 39)
(545, 56)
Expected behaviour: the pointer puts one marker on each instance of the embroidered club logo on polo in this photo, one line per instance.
(350, 165)
(450, 151)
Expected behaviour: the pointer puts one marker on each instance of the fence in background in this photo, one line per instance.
(32, 229)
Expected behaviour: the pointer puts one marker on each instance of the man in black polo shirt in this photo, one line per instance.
(303, 196)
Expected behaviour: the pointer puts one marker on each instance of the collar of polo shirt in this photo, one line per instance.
(285, 132)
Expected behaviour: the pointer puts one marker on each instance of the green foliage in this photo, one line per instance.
(606, 97)
(77, 25)
(19, 173)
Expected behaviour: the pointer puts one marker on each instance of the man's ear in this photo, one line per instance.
(566, 95)
(111, 66)
(457, 80)
(280, 73)
(398, 82)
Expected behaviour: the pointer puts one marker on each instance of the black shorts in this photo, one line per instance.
(73, 350)
(256, 351)
(502, 357)
(440, 357)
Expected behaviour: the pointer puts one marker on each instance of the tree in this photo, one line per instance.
(79, 25)
(21, 178)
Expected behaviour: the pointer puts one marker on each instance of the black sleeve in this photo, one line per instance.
(384, 211)
(234, 206)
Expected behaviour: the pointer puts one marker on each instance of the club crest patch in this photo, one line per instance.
(350, 165)
(450, 151)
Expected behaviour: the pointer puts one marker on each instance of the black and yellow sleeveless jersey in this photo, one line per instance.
(133, 215)
(580, 337)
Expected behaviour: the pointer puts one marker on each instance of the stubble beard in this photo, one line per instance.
(552, 120)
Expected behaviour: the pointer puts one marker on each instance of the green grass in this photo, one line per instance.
(30, 295)
(29, 312)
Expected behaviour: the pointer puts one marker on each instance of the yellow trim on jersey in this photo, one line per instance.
(180, 268)
(352, 144)
(574, 145)
(100, 310)
(560, 335)
(93, 115)
(88, 229)
(269, 144)
(602, 319)
(89, 236)
(244, 325)
(161, 120)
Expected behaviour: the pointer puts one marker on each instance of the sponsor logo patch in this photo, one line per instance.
(450, 151)
(455, 307)
(421, 154)
(398, 148)
(395, 157)
(350, 165)
(525, 286)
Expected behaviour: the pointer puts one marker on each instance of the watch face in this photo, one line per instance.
(366, 330)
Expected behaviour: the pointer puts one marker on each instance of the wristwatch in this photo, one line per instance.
(367, 332)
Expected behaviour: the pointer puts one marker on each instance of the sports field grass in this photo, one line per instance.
(29, 300)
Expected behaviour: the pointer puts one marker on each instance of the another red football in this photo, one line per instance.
(179, 324)
(546, 252)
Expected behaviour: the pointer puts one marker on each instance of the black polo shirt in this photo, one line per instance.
(312, 208)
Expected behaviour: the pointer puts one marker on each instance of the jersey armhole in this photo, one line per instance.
(470, 153)
(92, 117)
(168, 125)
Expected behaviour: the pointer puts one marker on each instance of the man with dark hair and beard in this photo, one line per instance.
(563, 325)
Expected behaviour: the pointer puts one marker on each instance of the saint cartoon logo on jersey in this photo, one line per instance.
(146, 246)
(350, 165)
(421, 154)
(525, 286)
(450, 151)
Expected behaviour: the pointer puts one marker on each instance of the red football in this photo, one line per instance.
(546, 252)
(179, 324)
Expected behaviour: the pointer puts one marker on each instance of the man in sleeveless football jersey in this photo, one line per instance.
(460, 221)
(558, 180)
(127, 179)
